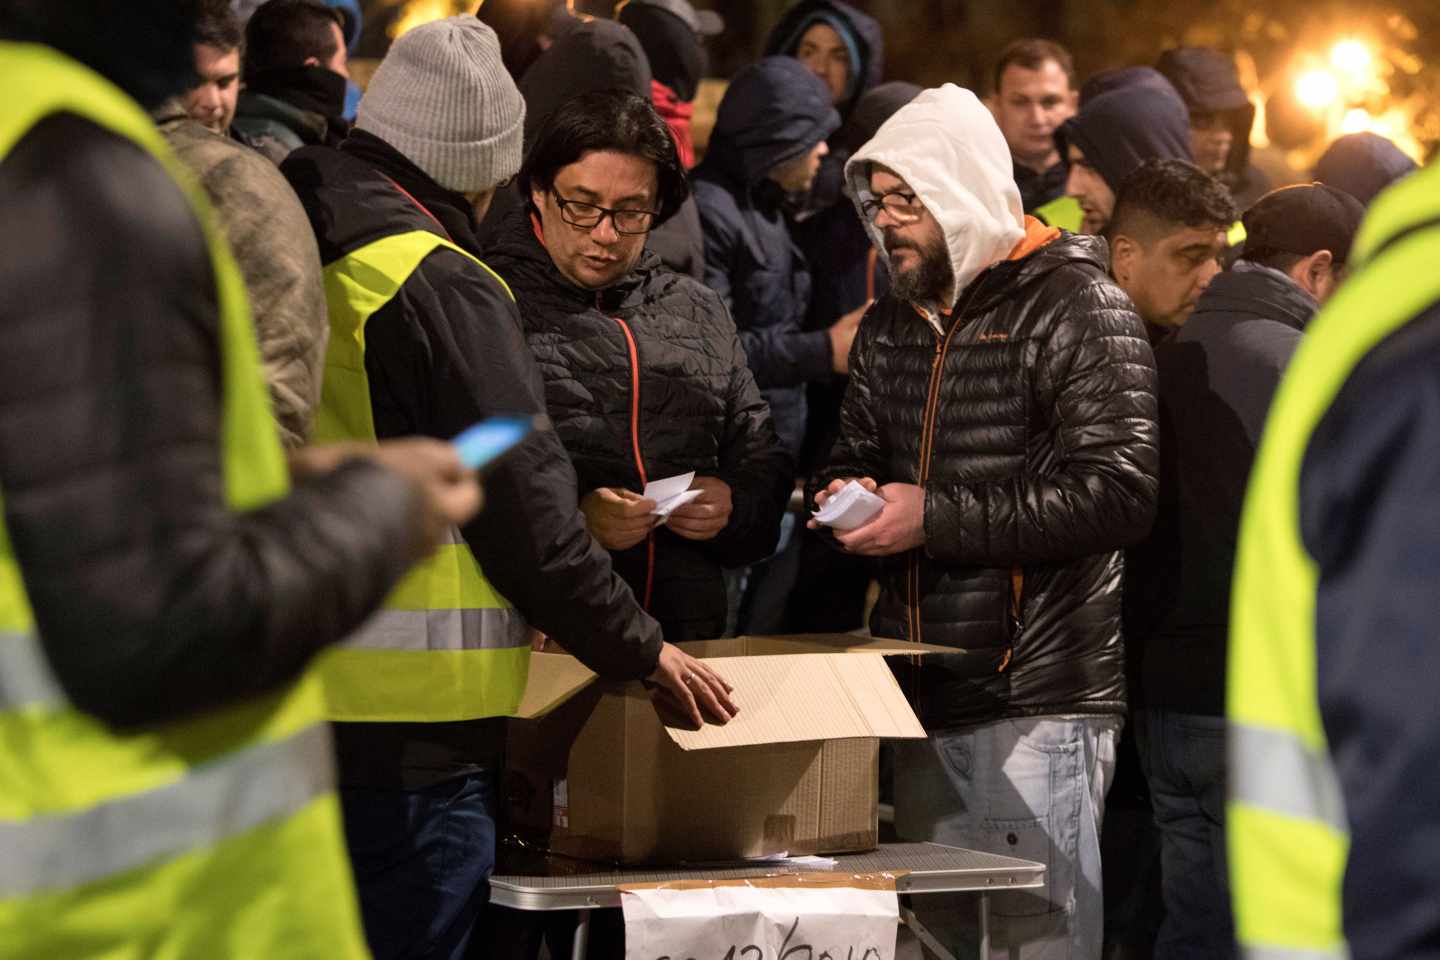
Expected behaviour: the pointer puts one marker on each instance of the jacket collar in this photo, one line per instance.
(1255, 290)
(451, 209)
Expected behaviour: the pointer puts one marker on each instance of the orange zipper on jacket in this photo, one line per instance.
(635, 447)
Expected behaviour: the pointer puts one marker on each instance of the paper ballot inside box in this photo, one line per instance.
(849, 508)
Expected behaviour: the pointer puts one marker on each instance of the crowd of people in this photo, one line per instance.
(260, 627)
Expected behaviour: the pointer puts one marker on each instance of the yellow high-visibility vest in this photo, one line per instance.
(217, 836)
(1285, 818)
(446, 646)
(1063, 212)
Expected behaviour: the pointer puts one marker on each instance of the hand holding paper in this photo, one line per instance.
(616, 517)
(670, 494)
(705, 516)
(849, 507)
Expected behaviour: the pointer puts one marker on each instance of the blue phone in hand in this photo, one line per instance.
(481, 444)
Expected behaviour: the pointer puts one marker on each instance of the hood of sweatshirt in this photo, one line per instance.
(1122, 128)
(946, 146)
(772, 111)
(860, 32)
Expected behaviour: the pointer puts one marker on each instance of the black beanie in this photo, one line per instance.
(676, 57)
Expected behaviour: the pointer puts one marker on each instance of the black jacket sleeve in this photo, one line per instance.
(1368, 518)
(857, 452)
(780, 355)
(1096, 380)
(759, 471)
(152, 598)
(448, 351)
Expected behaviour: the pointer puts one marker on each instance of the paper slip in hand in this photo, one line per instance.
(670, 494)
(850, 508)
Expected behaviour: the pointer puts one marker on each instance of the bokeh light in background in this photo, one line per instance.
(1317, 89)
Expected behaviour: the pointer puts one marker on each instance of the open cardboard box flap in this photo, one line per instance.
(789, 689)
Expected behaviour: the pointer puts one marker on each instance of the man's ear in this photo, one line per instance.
(1310, 273)
(537, 197)
(1123, 252)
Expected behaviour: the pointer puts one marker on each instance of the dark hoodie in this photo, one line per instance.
(774, 110)
(1123, 127)
(1217, 375)
(284, 109)
(1206, 80)
(863, 36)
(1362, 164)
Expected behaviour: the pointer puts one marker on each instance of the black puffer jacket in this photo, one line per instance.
(774, 110)
(686, 388)
(1036, 445)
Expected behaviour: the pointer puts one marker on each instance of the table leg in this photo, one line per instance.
(581, 943)
(984, 926)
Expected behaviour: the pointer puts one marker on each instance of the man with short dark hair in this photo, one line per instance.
(1034, 93)
(1217, 377)
(295, 73)
(1140, 119)
(644, 375)
(426, 338)
(1002, 404)
(267, 232)
(218, 38)
(1166, 237)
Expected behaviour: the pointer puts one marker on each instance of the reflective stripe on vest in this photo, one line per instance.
(447, 646)
(1236, 234)
(1063, 212)
(228, 819)
(1285, 820)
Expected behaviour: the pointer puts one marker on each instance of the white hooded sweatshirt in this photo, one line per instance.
(946, 146)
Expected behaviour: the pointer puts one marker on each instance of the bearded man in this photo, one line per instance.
(1002, 403)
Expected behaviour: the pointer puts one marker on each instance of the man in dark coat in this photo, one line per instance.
(438, 129)
(1362, 164)
(1138, 117)
(1002, 405)
(644, 375)
(1034, 92)
(1221, 116)
(845, 48)
(295, 70)
(769, 137)
(1217, 377)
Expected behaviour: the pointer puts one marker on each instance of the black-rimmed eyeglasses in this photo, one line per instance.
(587, 216)
(902, 207)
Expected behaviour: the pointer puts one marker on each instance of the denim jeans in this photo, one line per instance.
(1183, 756)
(422, 862)
(1032, 788)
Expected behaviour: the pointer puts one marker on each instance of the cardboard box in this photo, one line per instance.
(796, 772)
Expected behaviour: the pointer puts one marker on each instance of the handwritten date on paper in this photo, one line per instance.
(779, 918)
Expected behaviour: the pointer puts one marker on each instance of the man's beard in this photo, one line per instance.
(927, 281)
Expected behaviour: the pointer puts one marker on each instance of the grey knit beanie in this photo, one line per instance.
(443, 98)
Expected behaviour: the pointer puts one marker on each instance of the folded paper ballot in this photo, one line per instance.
(670, 494)
(851, 507)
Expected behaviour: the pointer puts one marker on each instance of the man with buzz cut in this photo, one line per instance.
(1002, 404)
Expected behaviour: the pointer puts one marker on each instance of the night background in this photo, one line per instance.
(1314, 69)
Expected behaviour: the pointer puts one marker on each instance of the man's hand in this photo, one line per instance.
(842, 335)
(899, 526)
(450, 491)
(835, 487)
(690, 686)
(617, 518)
(705, 516)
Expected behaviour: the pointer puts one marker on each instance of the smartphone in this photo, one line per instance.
(482, 444)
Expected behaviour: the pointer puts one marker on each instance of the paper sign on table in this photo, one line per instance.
(671, 494)
(850, 507)
(797, 917)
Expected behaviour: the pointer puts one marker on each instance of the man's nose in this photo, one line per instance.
(604, 231)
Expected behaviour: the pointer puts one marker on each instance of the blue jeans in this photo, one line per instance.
(1031, 788)
(1183, 756)
(422, 862)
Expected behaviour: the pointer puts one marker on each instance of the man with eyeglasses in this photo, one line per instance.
(1002, 404)
(426, 339)
(645, 377)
